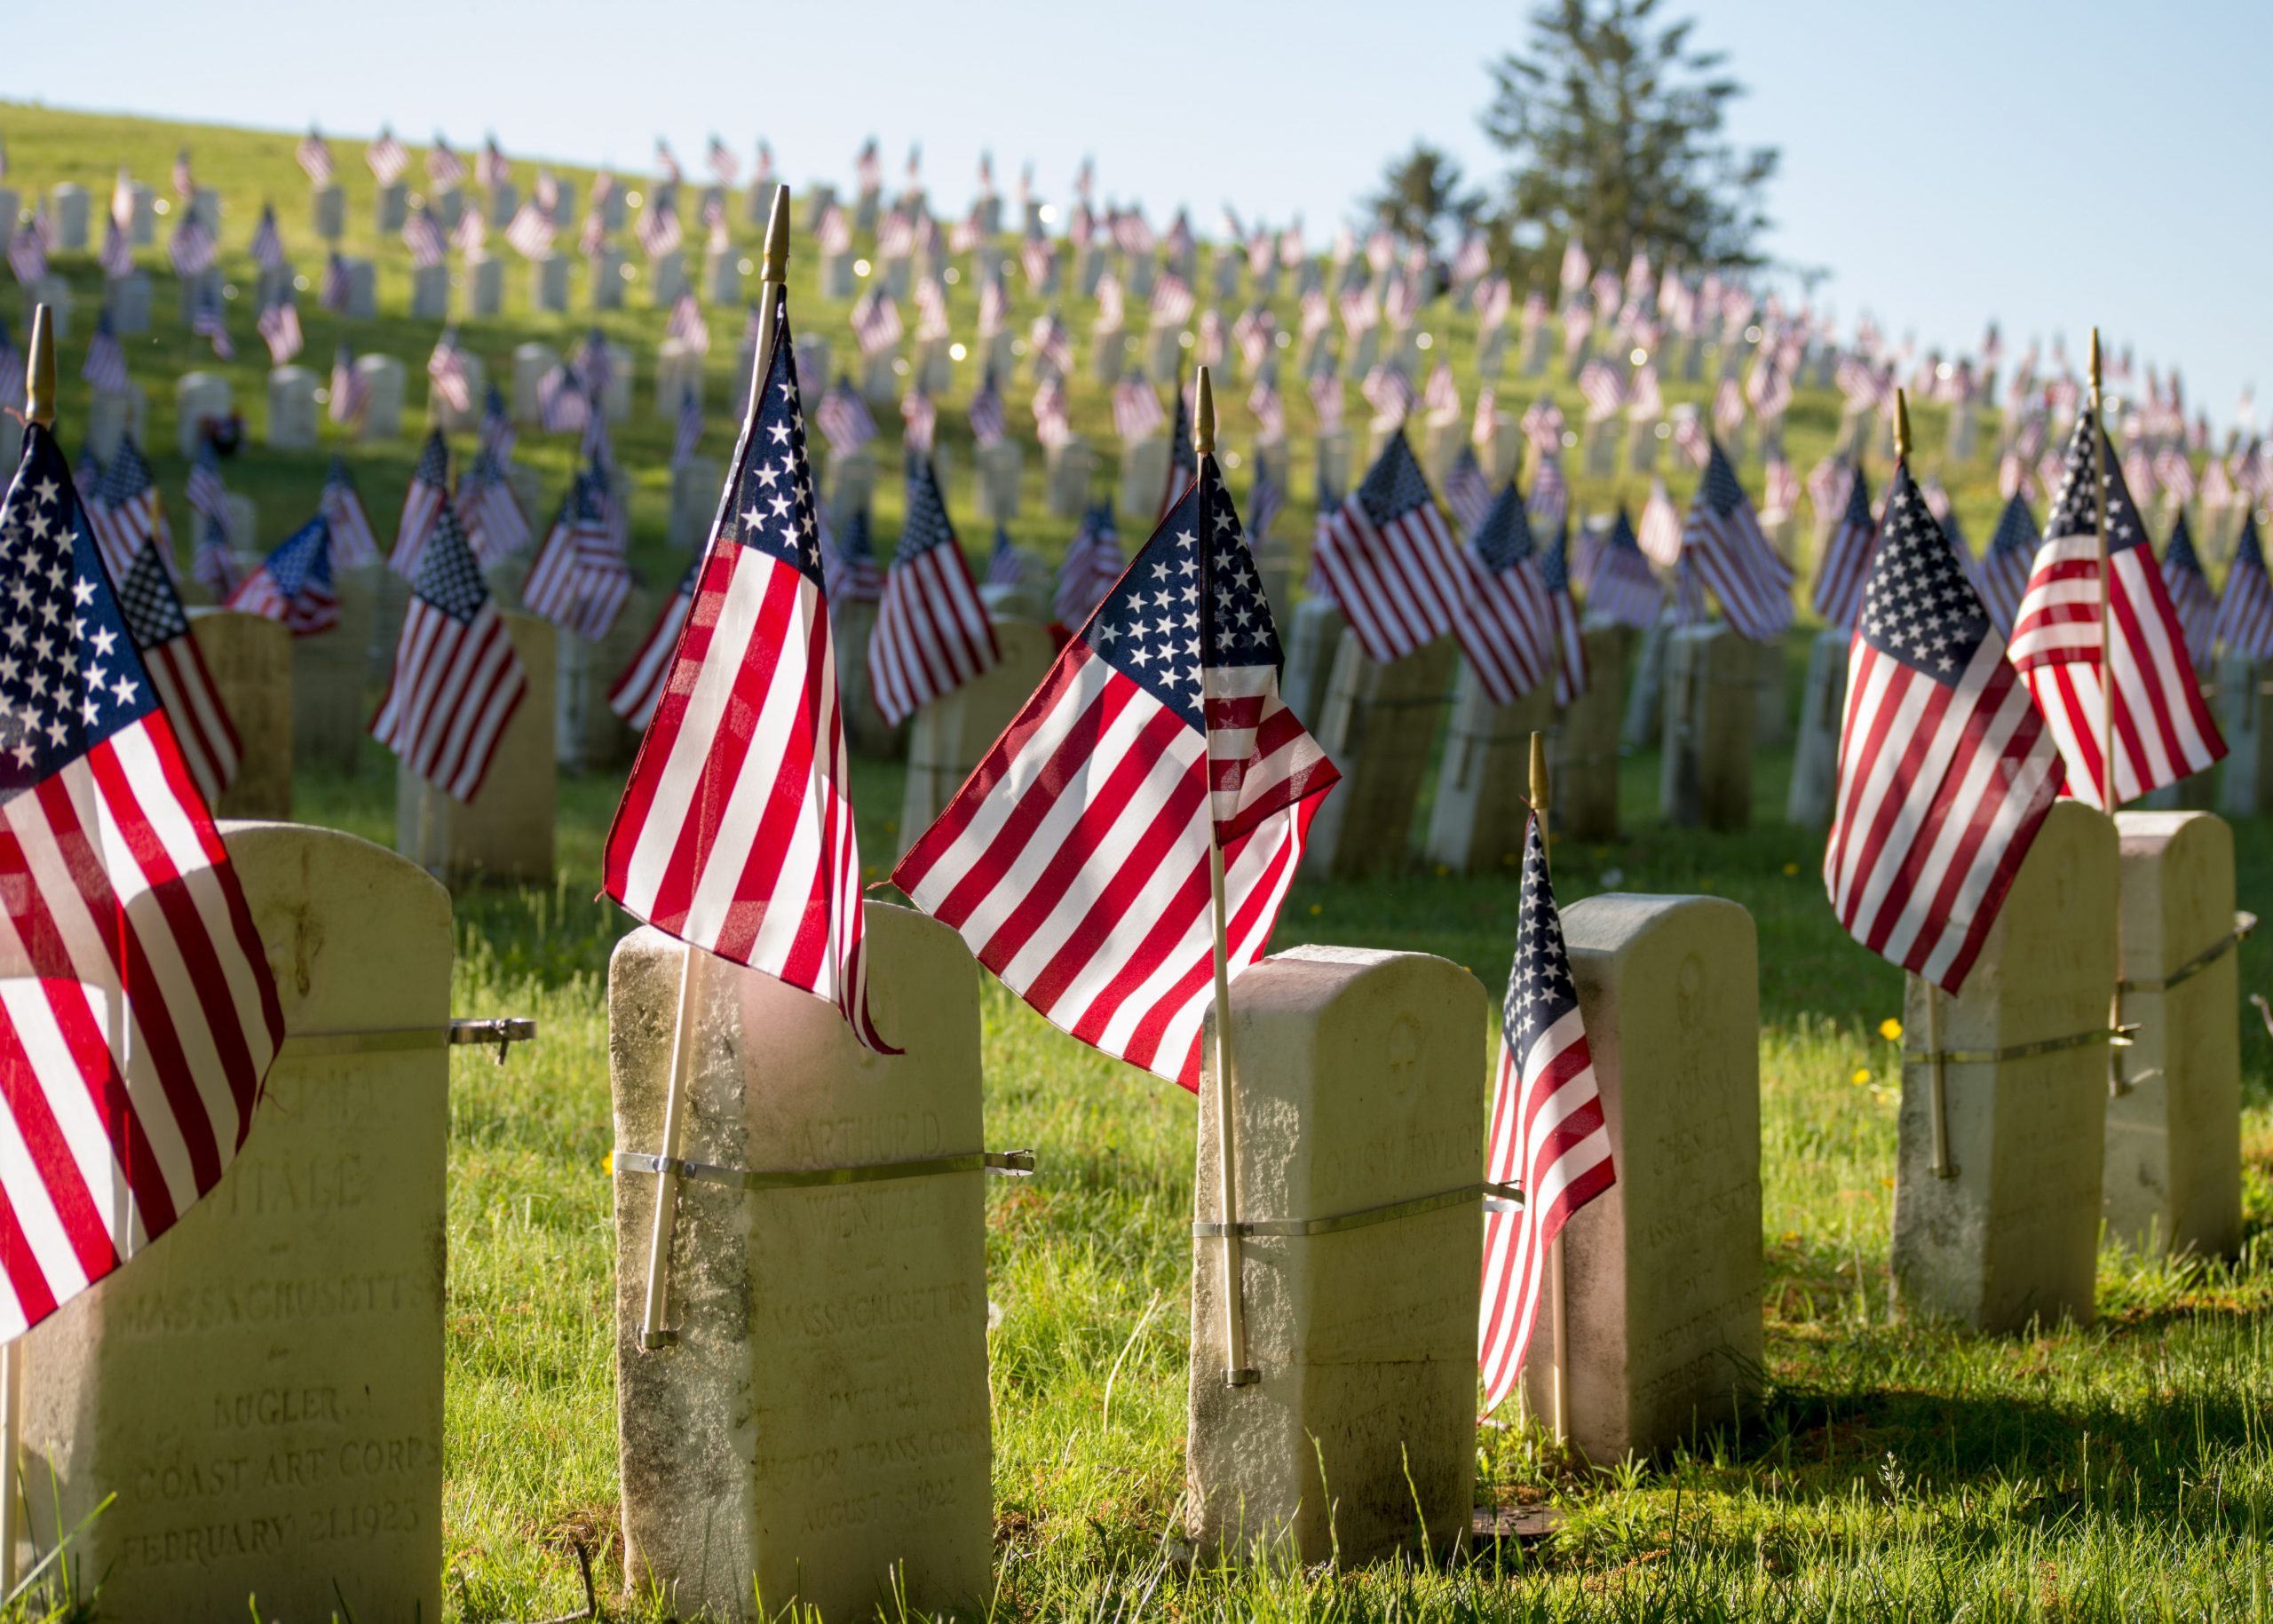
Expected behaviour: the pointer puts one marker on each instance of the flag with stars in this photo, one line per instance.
(2244, 622)
(736, 833)
(124, 512)
(1570, 672)
(639, 687)
(2005, 566)
(1733, 557)
(1074, 860)
(353, 543)
(1548, 1137)
(140, 1019)
(1504, 622)
(1845, 562)
(1092, 564)
(2162, 726)
(1946, 765)
(1387, 558)
(293, 584)
(2191, 597)
(932, 633)
(580, 579)
(423, 505)
(456, 680)
(1621, 587)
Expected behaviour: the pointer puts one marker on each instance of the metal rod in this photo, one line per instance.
(39, 370)
(1938, 1104)
(2110, 796)
(1559, 1384)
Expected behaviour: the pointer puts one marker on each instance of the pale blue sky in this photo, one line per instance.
(1935, 152)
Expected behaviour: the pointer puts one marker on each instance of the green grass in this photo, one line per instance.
(1893, 1470)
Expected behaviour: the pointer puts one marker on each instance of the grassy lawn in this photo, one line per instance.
(1894, 1470)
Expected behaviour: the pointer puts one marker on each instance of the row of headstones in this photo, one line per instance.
(267, 1406)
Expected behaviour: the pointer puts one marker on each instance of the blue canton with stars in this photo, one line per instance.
(1194, 579)
(1540, 988)
(1504, 540)
(928, 525)
(2073, 512)
(1394, 486)
(773, 502)
(2179, 556)
(1919, 607)
(302, 557)
(69, 676)
(1721, 487)
(1554, 562)
(448, 576)
(2016, 529)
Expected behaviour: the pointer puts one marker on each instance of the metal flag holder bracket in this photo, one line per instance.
(2244, 925)
(481, 1032)
(1003, 1164)
(1935, 1057)
(1499, 1198)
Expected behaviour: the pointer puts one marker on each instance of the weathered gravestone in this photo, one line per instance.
(695, 484)
(291, 409)
(2245, 706)
(722, 277)
(200, 400)
(127, 299)
(363, 288)
(678, 375)
(506, 831)
(1771, 728)
(384, 381)
(1377, 725)
(949, 736)
(504, 199)
(589, 736)
(250, 660)
(1815, 757)
(1144, 477)
(1476, 825)
(2011, 1234)
(608, 277)
(461, 419)
(531, 362)
(1711, 708)
(1313, 641)
(2173, 1179)
(1584, 747)
(112, 414)
(1000, 469)
(1663, 1272)
(1645, 697)
(430, 292)
(1069, 468)
(817, 1429)
(1356, 1075)
(485, 285)
(548, 283)
(66, 204)
(669, 273)
(327, 212)
(333, 695)
(260, 1399)
(853, 621)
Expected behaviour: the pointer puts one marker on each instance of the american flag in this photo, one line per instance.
(1946, 767)
(1270, 413)
(1389, 391)
(1660, 536)
(1768, 387)
(142, 1017)
(875, 322)
(1467, 492)
(1548, 1137)
(1136, 411)
(1603, 390)
(456, 681)
(494, 526)
(2163, 729)
(210, 322)
(1779, 487)
(279, 326)
(1051, 342)
(932, 633)
(993, 305)
(579, 580)
(313, 154)
(686, 434)
(736, 831)
(1621, 587)
(668, 172)
(293, 584)
(498, 434)
(353, 543)
(2245, 622)
(211, 564)
(1502, 615)
(1571, 673)
(117, 258)
(1264, 498)
(490, 168)
(422, 234)
(206, 493)
(1325, 401)
(26, 253)
(532, 231)
(1006, 564)
(1074, 862)
(350, 390)
(445, 369)
(833, 233)
(1548, 505)
(850, 574)
(423, 504)
(844, 418)
(1092, 564)
(1388, 560)
(123, 512)
(562, 407)
(2190, 593)
(1645, 401)
(723, 163)
(105, 367)
(185, 184)
(1845, 562)
(267, 245)
(988, 422)
(471, 236)
(191, 249)
(336, 285)
(387, 157)
(444, 167)
(636, 691)
(932, 323)
(687, 325)
(1172, 301)
(919, 422)
(1052, 424)
(1723, 538)
(658, 229)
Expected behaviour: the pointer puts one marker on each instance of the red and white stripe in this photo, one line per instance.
(1400, 584)
(1505, 627)
(202, 731)
(454, 687)
(636, 693)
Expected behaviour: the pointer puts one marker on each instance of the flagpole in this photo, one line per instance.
(651, 1334)
(1559, 1410)
(2110, 798)
(1237, 1371)
(39, 408)
(1938, 1104)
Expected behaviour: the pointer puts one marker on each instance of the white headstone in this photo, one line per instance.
(504, 199)
(506, 831)
(1711, 707)
(1378, 725)
(241, 520)
(430, 293)
(141, 218)
(609, 267)
(454, 419)
(1476, 825)
(485, 286)
(1144, 478)
(1584, 750)
(548, 283)
(722, 277)
(200, 399)
(112, 413)
(678, 374)
(327, 209)
(1313, 640)
(67, 217)
(1815, 757)
(362, 290)
(291, 409)
(817, 1432)
(668, 278)
(617, 401)
(205, 203)
(449, 204)
(127, 299)
(384, 378)
(1000, 469)
(260, 1399)
(334, 690)
(390, 209)
(1356, 1077)
(250, 660)
(531, 362)
(2245, 717)
(1068, 471)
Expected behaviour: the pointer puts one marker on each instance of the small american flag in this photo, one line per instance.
(562, 407)
(490, 168)
(1136, 411)
(658, 229)
(579, 580)
(279, 326)
(636, 691)
(1846, 563)
(2191, 596)
(1051, 342)
(1946, 767)
(919, 421)
(350, 390)
(2163, 729)
(687, 325)
(667, 165)
(336, 284)
(1389, 391)
(1172, 301)
(1006, 564)
(211, 321)
(498, 434)
(1137, 743)
(2006, 566)
(211, 564)
(105, 367)
(1548, 1137)
(471, 236)
(1660, 537)
(850, 573)
(444, 167)
(1570, 672)
(313, 154)
(1265, 498)
(1548, 504)
(353, 543)
(875, 322)
(27, 254)
(387, 157)
(122, 510)
(833, 234)
(844, 418)
(1621, 587)
(456, 681)
(191, 249)
(445, 369)
(494, 526)
(723, 163)
(1388, 560)
(423, 505)
(1270, 414)
(161, 634)
(1092, 564)
(141, 1010)
(747, 723)
(1603, 390)
(184, 183)
(1052, 421)
(1732, 556)
(993, 305)
(1327, 401)
(532, 231)
(293, 584)
(686, 435)
(422, 234)
(932, 323)
(932, 633)
(267, 245)
(2245, 622)
(206, 493)
(988, 422)
(1502, 619)
(117, 258)
(1467, 492)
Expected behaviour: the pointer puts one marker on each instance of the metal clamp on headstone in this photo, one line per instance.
(1008, 1164)
(2244, 922)
(1497, 1198)
(2119, 1036)
(500, 1030)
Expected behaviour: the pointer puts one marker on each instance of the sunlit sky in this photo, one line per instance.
(2050, 165)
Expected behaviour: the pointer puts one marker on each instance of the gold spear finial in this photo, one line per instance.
(39, 371)
(1203, 414)
(777, 237)
(1539, 773)
(2095, 368)
(1901, 423)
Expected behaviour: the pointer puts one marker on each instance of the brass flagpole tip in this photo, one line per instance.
(2095, 366)
(1539, 773)
(1901, 423)
(39, 371)
(1203, 414)
(777, 237)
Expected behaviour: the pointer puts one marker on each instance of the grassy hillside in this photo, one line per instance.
(1896, 1469)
